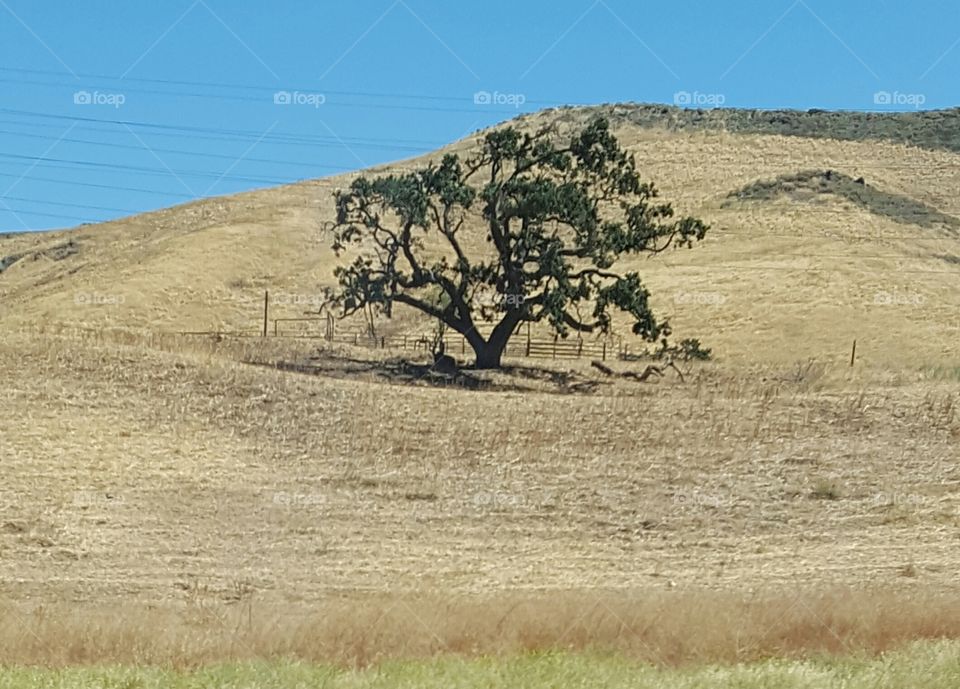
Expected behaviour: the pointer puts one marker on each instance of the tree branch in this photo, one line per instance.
(578, 325)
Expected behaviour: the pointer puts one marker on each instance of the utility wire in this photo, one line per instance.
(240, 133)
(176, 151)
(71, 205)
(142, 170)
(19, 211)
(328, 103)
(71, 80)
(98, 186)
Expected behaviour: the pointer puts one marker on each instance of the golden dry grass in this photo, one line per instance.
(189, 506)
(162, 492)
(663, 628)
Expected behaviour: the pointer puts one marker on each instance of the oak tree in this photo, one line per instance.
(558, 217)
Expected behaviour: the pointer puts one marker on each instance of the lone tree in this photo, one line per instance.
(557, 216)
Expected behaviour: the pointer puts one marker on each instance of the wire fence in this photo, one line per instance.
(522, 344)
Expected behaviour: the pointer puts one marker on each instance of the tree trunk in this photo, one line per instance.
(490, 352)
(489, 355)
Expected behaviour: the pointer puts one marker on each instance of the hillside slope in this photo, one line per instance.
(782, 275)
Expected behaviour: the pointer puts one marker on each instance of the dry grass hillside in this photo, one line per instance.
(781, 276)
(169, 498)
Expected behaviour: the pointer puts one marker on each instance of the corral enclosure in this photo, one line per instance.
(274, 482)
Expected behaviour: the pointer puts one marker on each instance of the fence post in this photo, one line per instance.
(603, 355)
(266, 310)
(404, 343)
(554, 346)
(356, 338)
(579, 348)
(853, 353)
(383, 342)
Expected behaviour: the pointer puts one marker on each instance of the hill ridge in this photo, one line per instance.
(930, 129)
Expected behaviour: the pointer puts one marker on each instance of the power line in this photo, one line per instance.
(269, 89)
(72, 205)
(19, 211)
(98, 186)
(175, 151)
(327, 103)
(247, 135)
(347, 143)
(37, 160)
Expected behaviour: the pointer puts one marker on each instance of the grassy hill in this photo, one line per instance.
(781, 275)
(183, 506)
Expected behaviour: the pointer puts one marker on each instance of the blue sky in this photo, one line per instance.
(111, 108)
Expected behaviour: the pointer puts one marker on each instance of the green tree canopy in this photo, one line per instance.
(558, 216)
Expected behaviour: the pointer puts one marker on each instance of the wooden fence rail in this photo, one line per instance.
(325, 327)
(521, 345)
